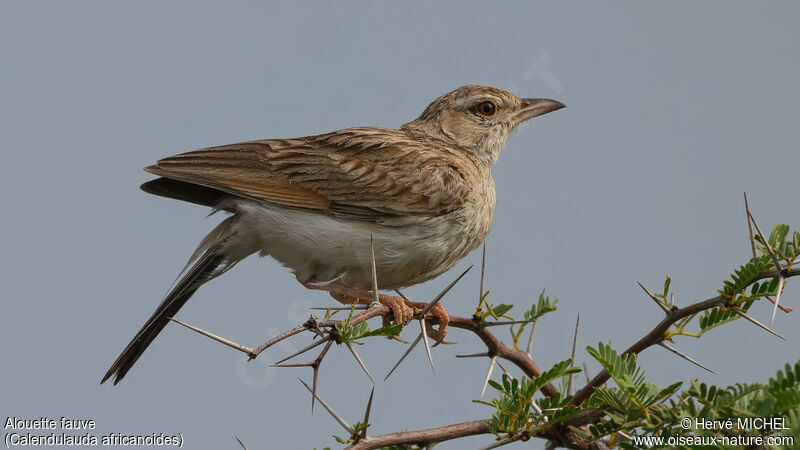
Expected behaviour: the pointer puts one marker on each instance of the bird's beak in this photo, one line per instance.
(534, 107)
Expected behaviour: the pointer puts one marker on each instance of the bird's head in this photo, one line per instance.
(478, 119)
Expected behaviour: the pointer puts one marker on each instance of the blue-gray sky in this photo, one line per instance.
(674, 109)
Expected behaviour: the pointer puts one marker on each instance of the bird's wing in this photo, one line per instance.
(358, 173)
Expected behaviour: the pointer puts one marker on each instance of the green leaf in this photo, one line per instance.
(715, 317)
(501, 309)
(778, 234)
(542, 307)
(744, 275)
(513, 407)
(390, 330)
(796, 239)
(495, 385)
(788, 378)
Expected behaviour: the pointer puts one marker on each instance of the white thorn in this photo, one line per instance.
(766, 245)
(571, 379)
(366, 414)
(360, 362)
(488, 375)
(433, 302)
(757, 323)
(227, 342)
(750, 228)
(473, 355)
(496, 444)
(655, 299)
(310, 347)
(411, 347)
(241, 443)
(374, 272)
(338, 418)
(529, 350)
(682, 355)
(427, 345)
(777, 299)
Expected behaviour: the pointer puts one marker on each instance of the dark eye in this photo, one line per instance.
(486, 108)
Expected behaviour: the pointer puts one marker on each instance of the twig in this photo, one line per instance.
(495, 347)
(278, 338)
(425, 436)
(506, 322)
(497, 444)
(656, 334)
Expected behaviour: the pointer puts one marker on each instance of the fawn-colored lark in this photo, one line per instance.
(423, 193)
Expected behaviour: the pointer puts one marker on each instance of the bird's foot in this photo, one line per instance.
(436, 316)
(402, 311)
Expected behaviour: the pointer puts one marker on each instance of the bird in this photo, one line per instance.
(420, 197)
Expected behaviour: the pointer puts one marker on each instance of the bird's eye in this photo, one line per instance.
(486, 108)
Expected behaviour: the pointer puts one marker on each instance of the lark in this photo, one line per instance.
(422, 196)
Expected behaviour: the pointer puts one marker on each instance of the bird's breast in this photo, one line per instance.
(322, 248)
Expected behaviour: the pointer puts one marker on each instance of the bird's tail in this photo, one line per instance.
(209, 262)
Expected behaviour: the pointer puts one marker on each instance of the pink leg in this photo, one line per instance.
(402, 310)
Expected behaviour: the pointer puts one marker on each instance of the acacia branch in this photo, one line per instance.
(426, 436)
(561, 433)
(497, 348)
(656, 335)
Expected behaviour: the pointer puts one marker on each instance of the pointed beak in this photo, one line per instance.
(535, 107)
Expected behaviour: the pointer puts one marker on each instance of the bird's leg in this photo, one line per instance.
(402, 310)
(346, 295)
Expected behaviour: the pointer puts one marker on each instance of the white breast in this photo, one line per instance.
(324, 248)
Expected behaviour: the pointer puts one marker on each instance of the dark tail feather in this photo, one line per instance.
(181, 190)
(206, 268)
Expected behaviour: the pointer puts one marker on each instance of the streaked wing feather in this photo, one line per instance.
(358, 173)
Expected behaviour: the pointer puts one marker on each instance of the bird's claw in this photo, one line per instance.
(437, 315)
(404, 311)
(401, 312)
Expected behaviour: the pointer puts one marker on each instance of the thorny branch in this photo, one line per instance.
(656, 335)
(559, 434)
(529, 367)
